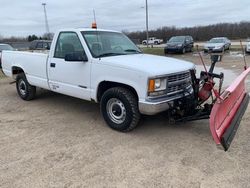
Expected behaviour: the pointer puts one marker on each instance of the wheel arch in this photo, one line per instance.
(15, 70)
(105, 85)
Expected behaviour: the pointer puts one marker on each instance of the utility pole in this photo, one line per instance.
(46, 19)
(147, 20)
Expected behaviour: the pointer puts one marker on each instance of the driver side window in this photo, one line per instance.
(68, 42)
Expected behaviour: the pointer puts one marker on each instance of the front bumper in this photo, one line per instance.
(154, 107)
(173, 49)
(213, 49)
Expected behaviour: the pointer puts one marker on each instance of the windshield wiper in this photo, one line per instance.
(133, 50)
(109, 54)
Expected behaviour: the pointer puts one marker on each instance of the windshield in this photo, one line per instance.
(5, 47)
(216, 40)
(104, 44)
(177, 39)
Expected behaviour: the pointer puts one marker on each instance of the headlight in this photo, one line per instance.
(157, 86)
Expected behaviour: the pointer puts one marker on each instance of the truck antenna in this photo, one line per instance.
(94, 26)
(244, 55)
(94, 16)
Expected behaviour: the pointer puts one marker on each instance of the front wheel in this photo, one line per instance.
(183, 51)
(119, 108)
(24, 89)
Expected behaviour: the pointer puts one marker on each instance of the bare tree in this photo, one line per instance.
(200, 33)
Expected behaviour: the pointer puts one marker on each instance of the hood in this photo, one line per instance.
(151, 64)
(214, 44)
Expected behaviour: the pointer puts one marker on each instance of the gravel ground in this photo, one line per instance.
(59, 141)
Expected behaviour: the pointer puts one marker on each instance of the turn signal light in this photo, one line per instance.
(151, 86)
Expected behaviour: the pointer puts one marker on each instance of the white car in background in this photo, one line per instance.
(248, 46)
(152, 40)
(218, 44)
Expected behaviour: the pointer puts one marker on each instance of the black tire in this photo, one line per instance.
(125, 103)
(156, 42)
(183, 51)
(26, 91)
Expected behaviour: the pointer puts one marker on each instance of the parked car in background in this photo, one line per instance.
(248, 46)
(152, 40)
(218, 44)
(40, 45)
(4, 47)
(181, 44)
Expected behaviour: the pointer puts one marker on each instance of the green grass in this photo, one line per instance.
(154, 51)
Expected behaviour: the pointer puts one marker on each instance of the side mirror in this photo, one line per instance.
(76, 56)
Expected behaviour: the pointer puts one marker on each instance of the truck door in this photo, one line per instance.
(69, 77)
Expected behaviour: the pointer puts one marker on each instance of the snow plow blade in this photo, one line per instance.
(228, 111)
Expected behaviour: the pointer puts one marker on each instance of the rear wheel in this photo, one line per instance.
(119, 108)
(24, 89)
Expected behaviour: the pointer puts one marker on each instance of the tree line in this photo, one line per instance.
(199, 33)
(29, 38)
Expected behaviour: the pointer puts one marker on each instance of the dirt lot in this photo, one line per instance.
(59, 141)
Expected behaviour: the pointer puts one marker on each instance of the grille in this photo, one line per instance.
(178, 83)
(178, 77)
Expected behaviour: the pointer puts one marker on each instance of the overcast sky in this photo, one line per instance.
(24, 17)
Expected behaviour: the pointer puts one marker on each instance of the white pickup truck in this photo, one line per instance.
(105, 67)
(152, 40)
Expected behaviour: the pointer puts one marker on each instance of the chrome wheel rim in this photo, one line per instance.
(22, 88)
(116, 111)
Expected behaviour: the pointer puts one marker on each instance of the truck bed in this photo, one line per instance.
(34, 64)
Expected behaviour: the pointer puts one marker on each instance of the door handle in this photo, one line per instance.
(52, 65)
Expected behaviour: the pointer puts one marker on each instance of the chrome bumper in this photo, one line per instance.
(155, 107)
(150, 108)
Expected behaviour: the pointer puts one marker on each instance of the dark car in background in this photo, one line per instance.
(4, 47)
(179, 44)
(40, 45)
